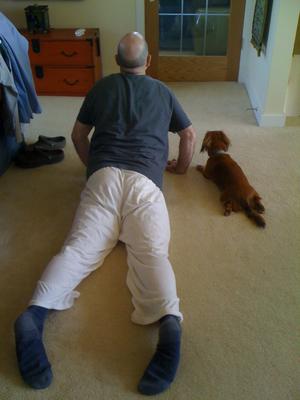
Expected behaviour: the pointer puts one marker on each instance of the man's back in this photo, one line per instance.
(132, 115)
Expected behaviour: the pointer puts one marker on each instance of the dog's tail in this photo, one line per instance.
(253, 215)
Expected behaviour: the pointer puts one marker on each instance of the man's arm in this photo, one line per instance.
(186, 150)
(81, 141)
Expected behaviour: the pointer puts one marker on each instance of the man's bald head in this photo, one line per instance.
(132, 51)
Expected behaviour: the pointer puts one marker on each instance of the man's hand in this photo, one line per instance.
(172, 167)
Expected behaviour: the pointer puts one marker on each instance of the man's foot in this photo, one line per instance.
(32, 359)
(161, 371)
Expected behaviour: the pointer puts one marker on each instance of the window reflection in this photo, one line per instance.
(192, 6)
(197, 27)
(170, 6)
(169, 32)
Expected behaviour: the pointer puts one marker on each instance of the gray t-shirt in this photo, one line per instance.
(132, 115)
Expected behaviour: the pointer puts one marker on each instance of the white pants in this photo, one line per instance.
(116, 205)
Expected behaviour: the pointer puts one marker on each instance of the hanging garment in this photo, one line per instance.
(16, 47)
(11, 122)
(11, 137)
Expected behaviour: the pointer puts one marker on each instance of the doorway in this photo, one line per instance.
(194, 40)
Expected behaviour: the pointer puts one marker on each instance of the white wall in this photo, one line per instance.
(292, 107)
(254, 70)
(282, 56)
(114, 18)
(140, 16)
(266, 77)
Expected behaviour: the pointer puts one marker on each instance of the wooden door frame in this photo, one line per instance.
(227, 70)
(152, 35)
(235, 39)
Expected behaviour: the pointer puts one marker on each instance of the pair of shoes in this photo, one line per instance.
(47, 150)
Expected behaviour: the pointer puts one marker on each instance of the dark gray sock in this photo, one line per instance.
(32, 359)
(162, 369)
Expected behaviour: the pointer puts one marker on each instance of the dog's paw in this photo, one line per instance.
(260, 209)
(227, 213)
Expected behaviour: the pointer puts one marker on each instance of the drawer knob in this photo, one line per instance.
(74, 53)
(39, 71)
(36, 48)
(71, 83)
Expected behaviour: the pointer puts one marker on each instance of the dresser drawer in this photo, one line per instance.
(64, 64)
(63, 81)
(62, 52)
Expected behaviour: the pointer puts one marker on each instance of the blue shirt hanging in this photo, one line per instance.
(16, 47)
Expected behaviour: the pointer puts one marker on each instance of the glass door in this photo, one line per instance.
(193, 27)
(195, 37)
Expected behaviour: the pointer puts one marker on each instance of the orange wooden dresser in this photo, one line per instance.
(63, 64)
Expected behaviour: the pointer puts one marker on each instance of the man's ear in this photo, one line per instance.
(148, 62)
(117, 59)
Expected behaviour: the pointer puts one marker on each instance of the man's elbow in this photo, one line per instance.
(80, 132)
(75, 136)
(192, 135)
(189, 135)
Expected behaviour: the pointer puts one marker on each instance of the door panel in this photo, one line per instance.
(194, 40)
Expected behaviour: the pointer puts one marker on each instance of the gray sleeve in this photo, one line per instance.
(179, 119)
(87, 114)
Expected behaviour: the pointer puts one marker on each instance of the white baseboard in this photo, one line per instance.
(272, 120)
(265, 120)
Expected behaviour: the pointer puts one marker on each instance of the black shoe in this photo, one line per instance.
(31, 157)
(50, 143)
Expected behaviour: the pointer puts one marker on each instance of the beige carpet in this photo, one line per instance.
(238, 284)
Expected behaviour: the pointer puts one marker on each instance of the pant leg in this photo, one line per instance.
(146, 233)
(93, 235)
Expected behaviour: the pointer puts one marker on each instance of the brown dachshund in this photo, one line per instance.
(236, 192)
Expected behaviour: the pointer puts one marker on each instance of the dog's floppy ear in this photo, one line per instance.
(206, 142)
(225, 140)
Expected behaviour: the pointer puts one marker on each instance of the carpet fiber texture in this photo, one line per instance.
(238, 284)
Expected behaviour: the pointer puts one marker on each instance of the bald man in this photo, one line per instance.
(131, 114)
